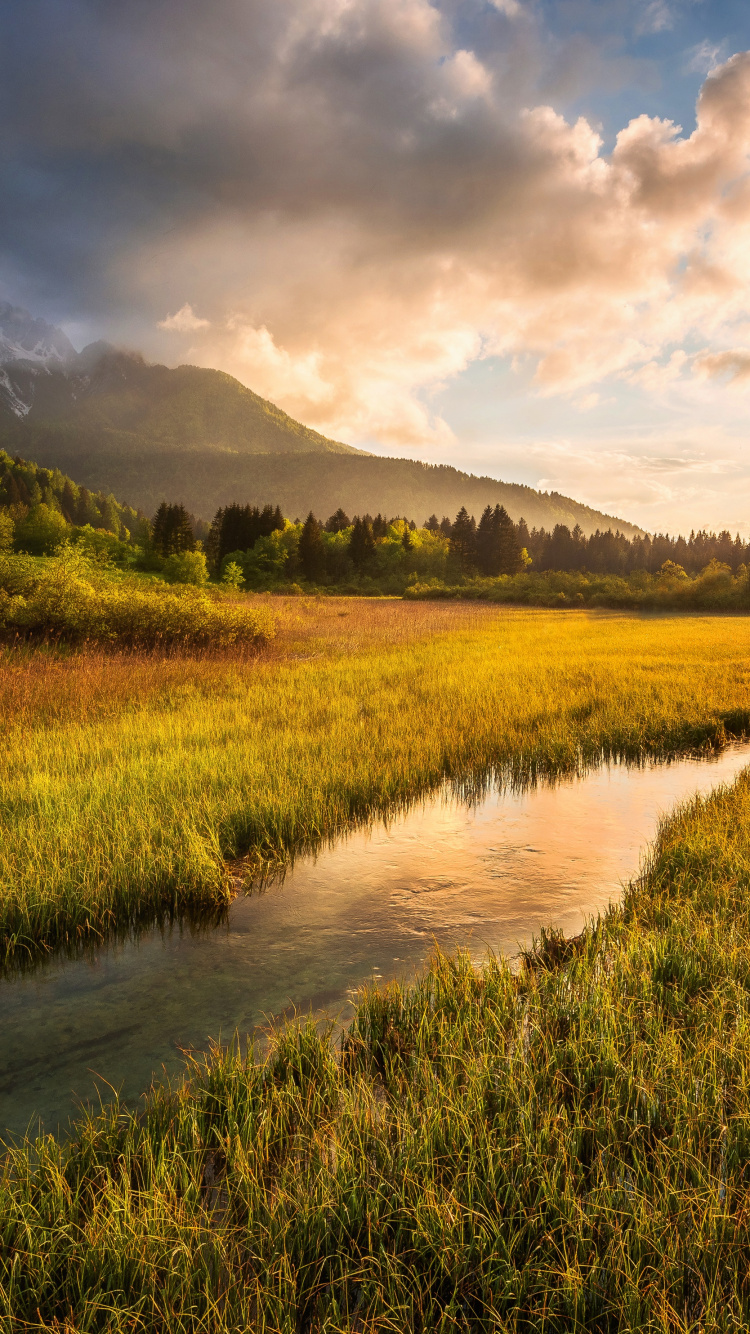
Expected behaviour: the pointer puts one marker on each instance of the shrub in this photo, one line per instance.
(42, 531)
(7, 529)
(65, 597)
(186, 567)
(232, 575)
(102, 545)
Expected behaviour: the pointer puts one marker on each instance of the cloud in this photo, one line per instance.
(656, 16)
(704, 57)
(511, 8)
(184, 321)
(734, 363)
(363, 198)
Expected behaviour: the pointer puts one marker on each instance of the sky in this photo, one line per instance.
(510, 235)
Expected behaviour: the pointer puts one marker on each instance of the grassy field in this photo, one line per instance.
(564, 1148)
(129, 781)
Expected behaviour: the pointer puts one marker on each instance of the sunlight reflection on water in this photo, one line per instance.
(483, 876)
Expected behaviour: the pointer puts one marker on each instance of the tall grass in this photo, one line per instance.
(109, 818)
(562, 1148)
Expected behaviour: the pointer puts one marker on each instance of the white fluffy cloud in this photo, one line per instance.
(452, 226)
(184, 320)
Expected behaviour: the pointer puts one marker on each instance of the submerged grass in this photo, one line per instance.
(124, 812)
(562, 1148)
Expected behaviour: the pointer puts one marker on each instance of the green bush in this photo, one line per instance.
(7, 529)
(714, 589)
(41, 531)
(232, 576)
(186, 567)
(65, 598)
(102, 545)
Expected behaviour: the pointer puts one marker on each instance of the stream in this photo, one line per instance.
(485, 876)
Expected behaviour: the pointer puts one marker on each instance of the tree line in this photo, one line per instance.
(493, 546)
(42, 505)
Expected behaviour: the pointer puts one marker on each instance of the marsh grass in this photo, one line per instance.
(135, 809)
(561, 1147)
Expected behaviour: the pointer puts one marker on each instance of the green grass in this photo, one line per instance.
(126, 811)
(564, 1148)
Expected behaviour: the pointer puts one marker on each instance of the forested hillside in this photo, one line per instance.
(206, 479)
(118, 424)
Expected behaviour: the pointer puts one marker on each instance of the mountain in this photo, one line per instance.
(105, 391)
(116, 423)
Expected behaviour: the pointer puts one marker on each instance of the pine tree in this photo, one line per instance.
(361, 543)
(488, 556)
(182, 531)
(68, 501)
(159, 528)
(432, 524)
(510, 559)
(379, 526)
(212, 542)
(338, 521)
(171, 531)
(463, 539)
(311, 551)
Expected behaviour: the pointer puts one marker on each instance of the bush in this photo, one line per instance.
(714, 589)
(65, 598)
(102, 545)
(7, 529)
(186, 567)
(232, 576)
(41, 531)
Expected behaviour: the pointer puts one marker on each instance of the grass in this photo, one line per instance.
(133, 780)
(562, 1148)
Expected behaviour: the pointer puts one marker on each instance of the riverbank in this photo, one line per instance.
(129, 800)
(564, 1147)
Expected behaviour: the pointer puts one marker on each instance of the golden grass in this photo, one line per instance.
(565, 1148)
(130, 800)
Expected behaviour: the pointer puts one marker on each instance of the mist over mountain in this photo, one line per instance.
(144, 432)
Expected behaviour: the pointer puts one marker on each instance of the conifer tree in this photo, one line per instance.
(488, 556)
(311, 551)
(338, 521)
(68, 501)
(510, 559)
(171, 531)
(211, 544)
(463, 539)
(361, 543)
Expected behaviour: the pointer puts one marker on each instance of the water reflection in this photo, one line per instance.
(482, 875)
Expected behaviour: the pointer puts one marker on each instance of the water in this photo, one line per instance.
(370, 906)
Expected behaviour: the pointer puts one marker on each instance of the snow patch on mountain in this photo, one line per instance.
(16, 404)
(34, 341)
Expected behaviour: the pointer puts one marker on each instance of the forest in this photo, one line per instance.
(257, 549)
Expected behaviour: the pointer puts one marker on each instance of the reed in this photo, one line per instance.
(133, 806)
(561, 1147)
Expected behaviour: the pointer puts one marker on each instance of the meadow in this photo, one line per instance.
(131, 780)
(560, 1147)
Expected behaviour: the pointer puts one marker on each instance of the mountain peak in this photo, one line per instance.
(25, 338)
